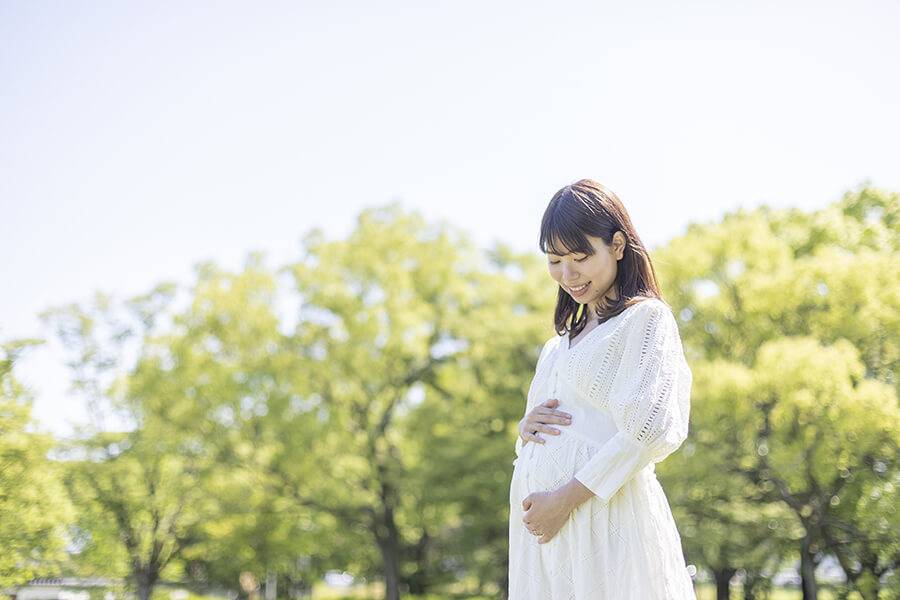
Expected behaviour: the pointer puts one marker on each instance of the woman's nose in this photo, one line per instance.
(570, 273)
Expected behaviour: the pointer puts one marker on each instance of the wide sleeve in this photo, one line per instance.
(649, 399)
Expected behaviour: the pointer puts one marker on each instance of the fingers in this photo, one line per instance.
(549, 415)
(532, 428)
(543, 536)
(528, 432)
(535, 422)
(526, 504)
(548, 407)
(540, 428)
(546, 537)
(546, 410)
(532, 437)
(560, 418)
(539, 420)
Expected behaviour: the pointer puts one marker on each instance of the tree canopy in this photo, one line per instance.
(792, 322)
(34, 508)
(357, 410)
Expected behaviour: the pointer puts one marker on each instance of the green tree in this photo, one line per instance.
(378, 417)
(823, 429)
(463, 464)
(726, 521)
(230, 393)
(407, 332)
(34, 511)
(761, 276)
(139, 489)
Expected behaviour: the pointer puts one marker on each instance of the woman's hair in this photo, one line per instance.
(587, 208)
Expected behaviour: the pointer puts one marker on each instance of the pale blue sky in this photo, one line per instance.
(139, 139)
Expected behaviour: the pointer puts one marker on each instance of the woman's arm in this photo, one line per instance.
(547, 512)
(649, 401)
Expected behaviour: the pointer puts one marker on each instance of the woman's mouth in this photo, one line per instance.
(578, 291)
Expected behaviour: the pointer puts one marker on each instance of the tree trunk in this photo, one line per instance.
(808, 570)
(756, 585)
(723, 582)
(419, 581)
(145, 583)
(388, 544)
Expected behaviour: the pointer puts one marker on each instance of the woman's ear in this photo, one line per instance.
(618, 245)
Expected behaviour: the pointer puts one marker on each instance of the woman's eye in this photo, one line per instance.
(584, 258)
(554, 262)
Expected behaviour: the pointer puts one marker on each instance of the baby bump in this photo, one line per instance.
(547, 466)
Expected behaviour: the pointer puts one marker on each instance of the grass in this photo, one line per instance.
(705, 591)
(375, 591)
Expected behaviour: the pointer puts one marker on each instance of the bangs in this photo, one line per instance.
(561, 235)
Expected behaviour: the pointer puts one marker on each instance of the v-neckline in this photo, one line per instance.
(584, 336)
(568, 345)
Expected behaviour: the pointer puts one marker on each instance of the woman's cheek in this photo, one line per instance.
(554, 272)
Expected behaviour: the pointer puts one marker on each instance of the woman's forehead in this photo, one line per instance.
(558, 247)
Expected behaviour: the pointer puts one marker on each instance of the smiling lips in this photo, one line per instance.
(577, 291)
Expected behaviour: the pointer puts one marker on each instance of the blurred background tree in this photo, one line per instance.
(139, 492)
(34, 508)
(792, 325)
(376, 433)
(357, 410)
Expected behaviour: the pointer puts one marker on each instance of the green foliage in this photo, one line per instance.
(138, 491)
(791, 321)
(374, 435)
(34, 510)
(357, 410)
(406, 332)
(726, 521)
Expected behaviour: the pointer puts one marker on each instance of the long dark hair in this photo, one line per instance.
(587, 208)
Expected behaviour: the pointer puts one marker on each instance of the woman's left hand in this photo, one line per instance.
(545, 514)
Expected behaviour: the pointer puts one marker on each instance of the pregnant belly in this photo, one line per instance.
(545, 467)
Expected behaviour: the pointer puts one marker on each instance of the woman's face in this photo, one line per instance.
(589, 278)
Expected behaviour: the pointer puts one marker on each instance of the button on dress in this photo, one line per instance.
(626, 384)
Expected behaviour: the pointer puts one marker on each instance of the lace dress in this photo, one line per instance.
(627, 386)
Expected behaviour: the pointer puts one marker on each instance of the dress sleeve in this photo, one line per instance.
(649, 399)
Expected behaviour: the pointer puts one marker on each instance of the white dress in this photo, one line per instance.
(627, 386)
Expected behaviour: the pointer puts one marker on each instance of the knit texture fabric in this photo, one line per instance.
(627, 385)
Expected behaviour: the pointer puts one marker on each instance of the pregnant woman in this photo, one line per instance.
(610, 397)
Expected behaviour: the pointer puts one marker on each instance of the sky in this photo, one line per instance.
(138, 139)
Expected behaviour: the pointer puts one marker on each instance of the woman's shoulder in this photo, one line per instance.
(549, 346)
(555, 340)
(646, 306)
(648, 312)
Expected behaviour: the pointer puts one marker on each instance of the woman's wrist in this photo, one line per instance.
(573, 494)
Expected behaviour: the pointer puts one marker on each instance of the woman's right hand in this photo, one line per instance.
(540, 419)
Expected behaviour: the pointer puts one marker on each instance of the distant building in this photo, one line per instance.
(65, 588)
